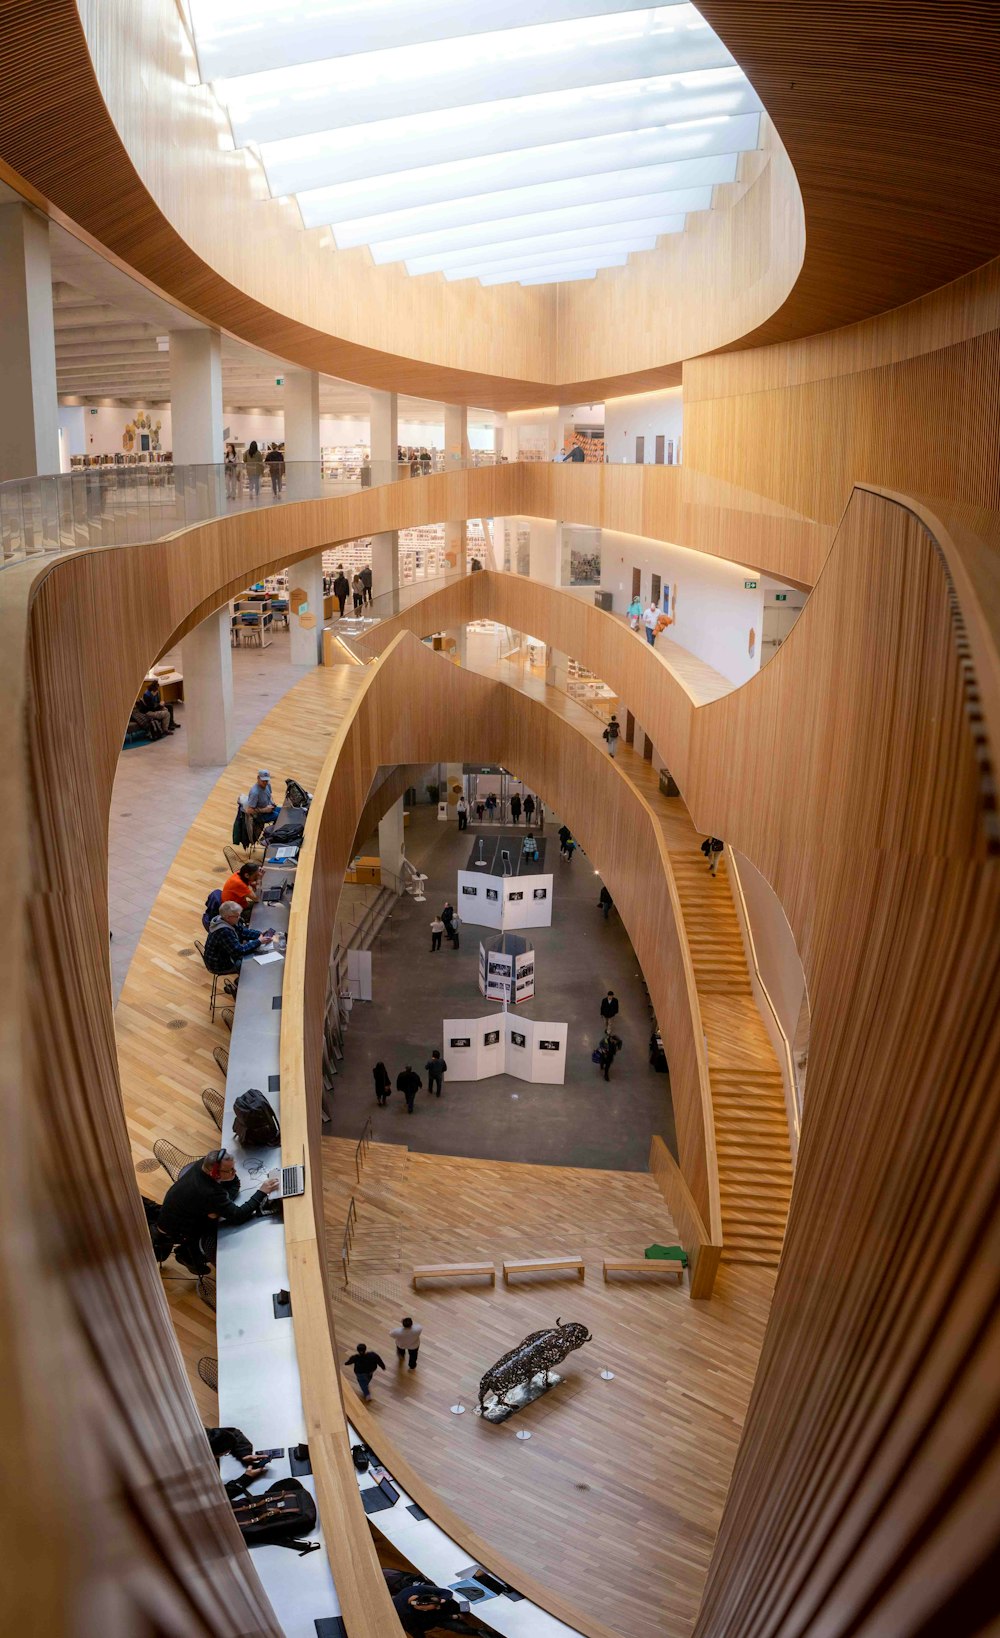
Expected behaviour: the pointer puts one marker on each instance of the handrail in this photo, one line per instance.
(345, 1249)
(361, 1151)
(793, 1096)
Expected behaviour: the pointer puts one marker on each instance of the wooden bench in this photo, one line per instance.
(644, 1265)
(543, 1265)
(453, 1271)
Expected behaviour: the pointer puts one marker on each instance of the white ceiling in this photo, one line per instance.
(107, 327)
(576, 131)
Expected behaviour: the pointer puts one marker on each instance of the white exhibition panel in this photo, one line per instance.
(475, 1048)
(504, 976)
(504, 901)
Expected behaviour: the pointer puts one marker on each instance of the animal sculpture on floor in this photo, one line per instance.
(537, 1354)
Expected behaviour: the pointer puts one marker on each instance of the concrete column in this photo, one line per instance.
(207, 667)
(455, 541)
(305, 611)
(456, 434)
(301, 398)
(545, 561)
(390, 846)
(196, 397)
(383, 432)
(500, 438)
(385, 563)
(29, 406)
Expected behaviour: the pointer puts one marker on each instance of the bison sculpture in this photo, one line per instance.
(535, 1356)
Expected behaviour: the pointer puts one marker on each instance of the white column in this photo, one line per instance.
(196, 397)
(455, 541)
(456, 434)
(305, 610)
(301, 400)
(384, 439)
(545, 561)
(29, 406)
(207, 667)
(390, 846)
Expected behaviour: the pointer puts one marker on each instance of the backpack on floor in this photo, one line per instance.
(295, 796)
(279, 1518)
(255, 1124)
(212, 904)
(239, 827)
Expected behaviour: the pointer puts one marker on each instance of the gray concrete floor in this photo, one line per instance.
(585, 1122)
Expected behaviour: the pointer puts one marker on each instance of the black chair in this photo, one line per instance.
(199, 946)
(208, 1370)
(206, 1290)
(172, 1159)
(215, 1103)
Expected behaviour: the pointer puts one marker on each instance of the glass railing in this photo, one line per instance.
(351, 626)
(129, 505)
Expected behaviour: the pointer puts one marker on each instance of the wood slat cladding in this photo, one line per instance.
(886, 115)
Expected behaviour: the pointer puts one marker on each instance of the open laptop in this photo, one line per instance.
(291, 1181)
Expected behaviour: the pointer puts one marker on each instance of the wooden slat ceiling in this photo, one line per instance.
(888, 114)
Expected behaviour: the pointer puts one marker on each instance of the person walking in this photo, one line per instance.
(253, 460)
(341, 587)
(409, 1083)
(364, 1362)
(480, 810)
(605, 902)
(529, 808)
(611, 736)
(609, 1010)
(274, 460)
(437, 928)
(383, 1084)
(649, 620)
(232, 465)
(634, 613)
(358, 590)
(712, 849)
(515, 809)
(406, 1337)
(462, 809)
(604, 1056)
(565, 837)
(491, 806)
(435, 1067)
(366, 580)
(450, 920)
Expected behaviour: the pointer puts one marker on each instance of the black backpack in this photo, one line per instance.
(291, 832)
(279, 1518)
(212, 904)
(295, 796)
(239, 827)
(255, 1124)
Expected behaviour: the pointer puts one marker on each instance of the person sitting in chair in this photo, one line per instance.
(228, 942)
(261, 808)
(242, 888)
(203, 1196)
(154, 705)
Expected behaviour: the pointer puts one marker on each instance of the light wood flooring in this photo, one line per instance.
(615, 1500)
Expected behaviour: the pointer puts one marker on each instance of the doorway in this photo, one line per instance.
(660, 442)
(654, 595)
(636, 584)
(640, 452)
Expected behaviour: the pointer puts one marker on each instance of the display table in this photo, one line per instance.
(364, 872)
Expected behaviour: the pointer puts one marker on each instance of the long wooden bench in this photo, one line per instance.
(644, 1265)
(544, 1265)
(453, 1271)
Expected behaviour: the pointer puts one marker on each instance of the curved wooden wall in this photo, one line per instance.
(894, 173)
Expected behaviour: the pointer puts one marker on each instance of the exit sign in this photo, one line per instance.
(750, 585)
(279, 381)
(781, 597)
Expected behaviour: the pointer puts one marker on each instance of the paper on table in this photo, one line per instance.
(272, 955)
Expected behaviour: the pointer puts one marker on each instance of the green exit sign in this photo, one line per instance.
(781, 597)
(279, 381)
(750, 585)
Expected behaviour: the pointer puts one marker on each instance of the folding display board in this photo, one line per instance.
(506, 975)
(476, 1048)
(504, 901)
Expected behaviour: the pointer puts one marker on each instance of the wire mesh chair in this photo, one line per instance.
(208, 1370)
(215, 1103)
(216, 979)
(172, 1159)
(221, 1056)
(226, 1015)
(206, 1290)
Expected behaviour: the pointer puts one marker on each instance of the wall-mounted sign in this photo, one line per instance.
(279, 381)
(781, 597)
(750, 585)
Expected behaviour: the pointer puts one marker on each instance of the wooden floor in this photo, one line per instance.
(615, 1500)
(164, 1034)
(748, 1099)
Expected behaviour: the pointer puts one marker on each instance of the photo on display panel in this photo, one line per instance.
(460, 1041)
(491, 1037)
(515, 1039)
(515, 897)
(491, 893)
(541, 892)
(548, 1046)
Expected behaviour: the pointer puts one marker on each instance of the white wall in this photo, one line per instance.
(72, 435)
(642, 416)
(104, 425)
(714, 613)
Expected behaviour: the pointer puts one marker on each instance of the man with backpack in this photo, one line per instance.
(204, 1195)
(229, 942)
(611, 736)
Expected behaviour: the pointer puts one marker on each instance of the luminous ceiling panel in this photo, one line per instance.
(470, 140)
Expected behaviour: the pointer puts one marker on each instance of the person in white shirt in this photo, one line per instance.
(649, 620)
(406, 1336)
(462, 809)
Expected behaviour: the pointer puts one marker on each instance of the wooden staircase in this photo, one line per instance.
(748, 1098)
